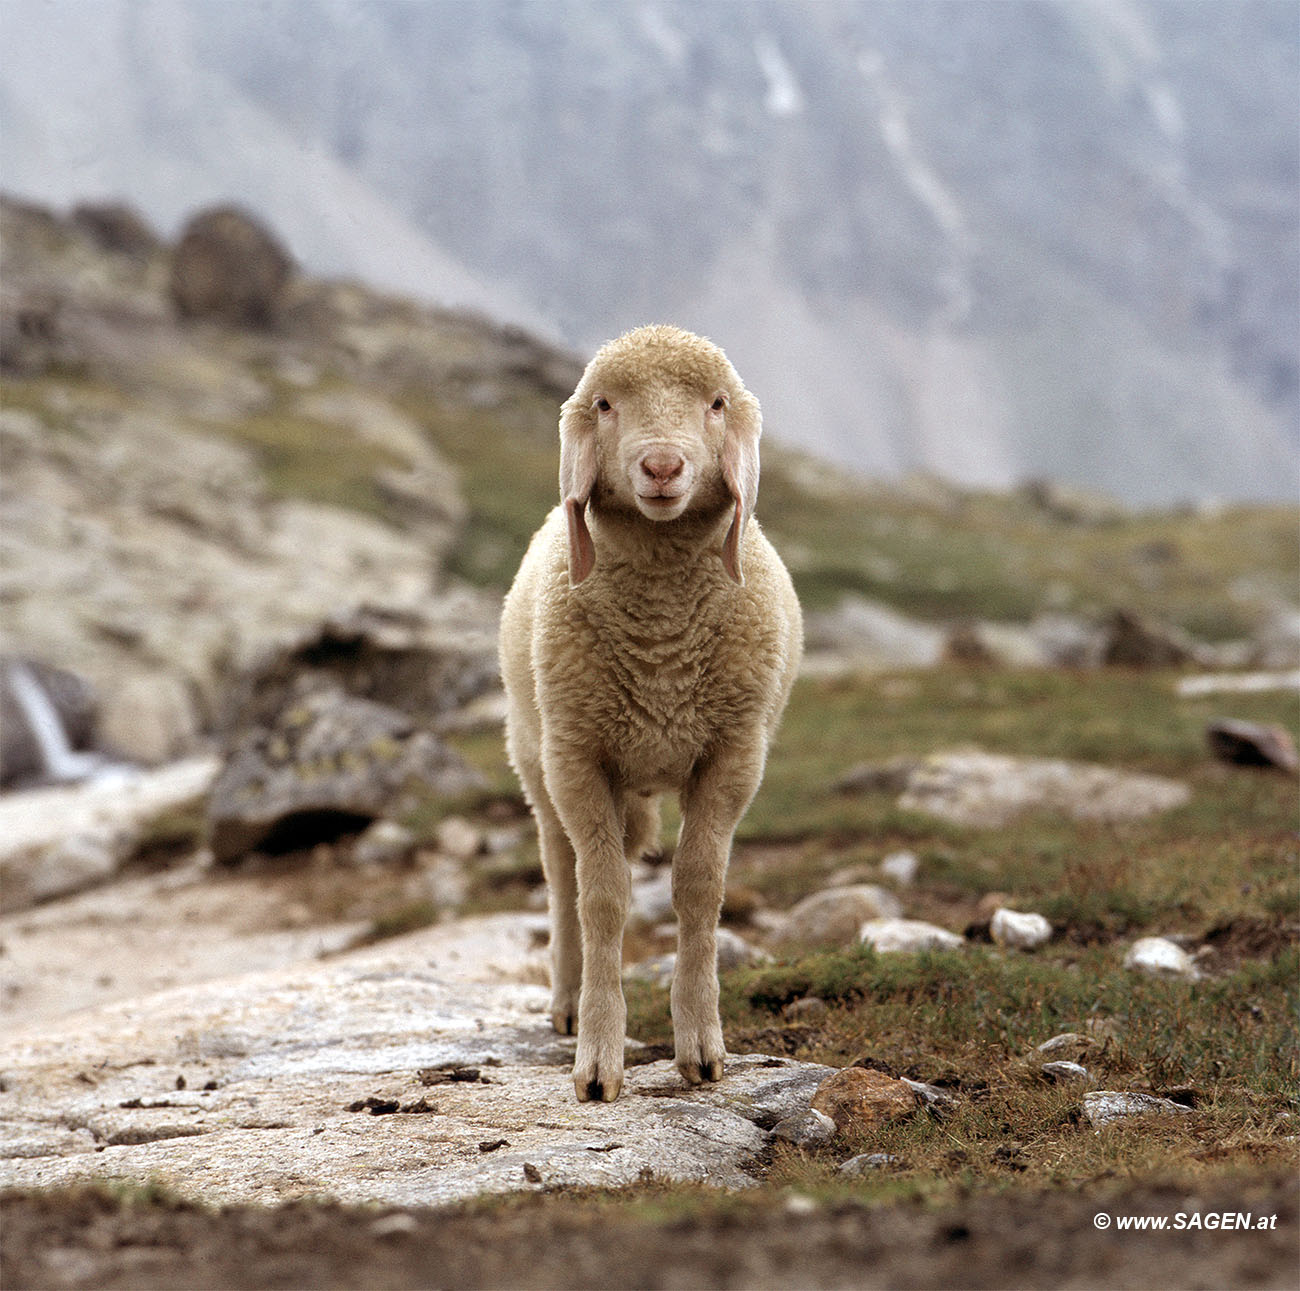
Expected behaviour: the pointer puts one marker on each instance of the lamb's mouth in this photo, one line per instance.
(661, 506)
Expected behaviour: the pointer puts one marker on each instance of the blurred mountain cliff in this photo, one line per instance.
(992, 241)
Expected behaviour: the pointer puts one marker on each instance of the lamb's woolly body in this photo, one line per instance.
(655, 670)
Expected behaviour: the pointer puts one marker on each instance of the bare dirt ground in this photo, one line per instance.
(85, 1239)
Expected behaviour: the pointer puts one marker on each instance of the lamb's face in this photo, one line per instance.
(661, 426)
(659, 447)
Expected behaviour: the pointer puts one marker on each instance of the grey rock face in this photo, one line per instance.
(328, 764)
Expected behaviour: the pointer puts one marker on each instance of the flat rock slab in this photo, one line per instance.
(260, 1087)
(987, 790)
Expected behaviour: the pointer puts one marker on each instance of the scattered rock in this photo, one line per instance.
(809, 1008)
(1132, 641)
(986, 790)
(733, 951)
(1161, 958)
(857, 1098)
(1252, 744)
(833, 916)
(1236, 683)
(1069, 504)
(866, 1162)
(1106, 1106)
(937, 1100)
(860, 633)
(1019, 931)
(900, 867)
(229, 268)
(1066, 1073)
(809, 1129)
(878, 777)
(457, 838)
(652, 897)
(1068, 1042)
(889, 936)
(385, 842)
(327, 766)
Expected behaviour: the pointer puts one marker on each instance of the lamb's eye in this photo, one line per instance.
(719, 404)
(603, 404)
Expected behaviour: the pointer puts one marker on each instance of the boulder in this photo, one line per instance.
(1132, 641)
(1253, 744)
(868, 634)
(327, 764)
(116, 227)
(834, 916)
(857, 1098)
(229, 268)
(900, 868)
(424, 666)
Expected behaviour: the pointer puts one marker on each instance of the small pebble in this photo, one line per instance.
(868, 1161)
(1065, 1073)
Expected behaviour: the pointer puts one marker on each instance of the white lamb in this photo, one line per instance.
(649, 643)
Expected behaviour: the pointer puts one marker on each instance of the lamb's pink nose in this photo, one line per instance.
(663, 465)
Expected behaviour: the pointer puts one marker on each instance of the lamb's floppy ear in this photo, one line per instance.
(577, 479)
(740, 471)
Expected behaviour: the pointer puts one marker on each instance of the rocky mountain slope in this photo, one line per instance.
(990, 240)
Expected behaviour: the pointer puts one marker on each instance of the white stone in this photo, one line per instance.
(1019, 931)
(901, 867)
(1107, 1105)
(1160, 957)
(894, 935)
(382, 843)
(458, 838)
(1066, 1073)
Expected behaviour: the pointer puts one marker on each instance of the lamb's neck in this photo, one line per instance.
(640, 554)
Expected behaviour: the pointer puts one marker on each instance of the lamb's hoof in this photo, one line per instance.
(596, 1090)
(565, 1023)
(695, 1072)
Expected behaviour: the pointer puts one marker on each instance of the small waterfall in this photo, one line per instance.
(62, 763)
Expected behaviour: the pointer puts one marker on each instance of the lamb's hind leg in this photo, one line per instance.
(559, 868)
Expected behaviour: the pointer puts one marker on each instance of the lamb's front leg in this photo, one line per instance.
(592, 820)
(713, 804)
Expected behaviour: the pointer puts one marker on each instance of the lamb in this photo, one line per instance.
(649, 643)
